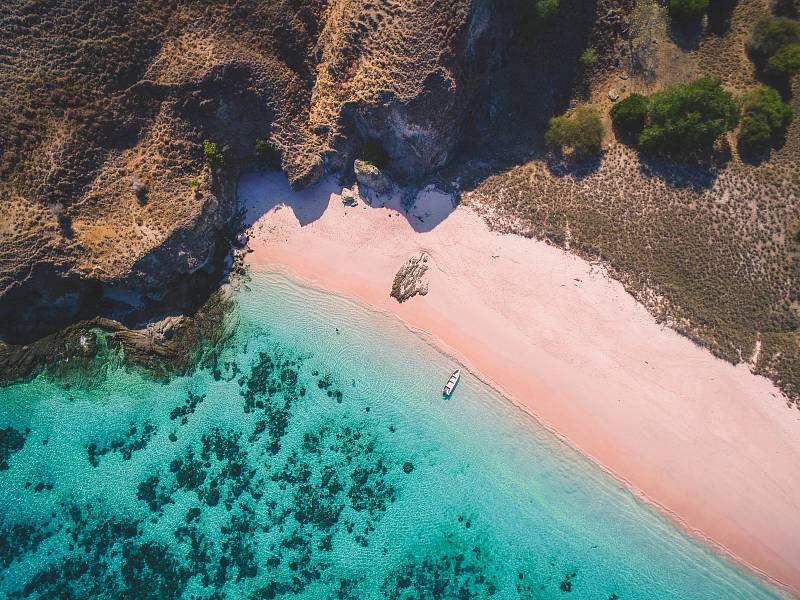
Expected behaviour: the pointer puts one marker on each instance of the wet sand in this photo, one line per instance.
(712, 445)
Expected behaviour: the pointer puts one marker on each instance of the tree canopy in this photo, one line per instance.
(630, 115)
(579, 130)
(765, 116)
(688, 118)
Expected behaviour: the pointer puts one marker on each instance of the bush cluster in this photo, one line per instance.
(774, 46)
(682, 119)
(213, 154)
(579, 131)
(686, 11)
(630, 115)
(765, 117)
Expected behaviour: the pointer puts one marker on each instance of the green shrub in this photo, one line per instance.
(374, 153)
(769, 36)
(535, 14)
(194, 183)
(580, 130)
(589, 58)
(214, 156)
(684, 11)
(688, 118)
(786, 60)
(542, 10)
(266, 151)
(630, 115)
(764, 117)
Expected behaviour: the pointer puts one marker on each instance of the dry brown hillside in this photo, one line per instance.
(106, 196)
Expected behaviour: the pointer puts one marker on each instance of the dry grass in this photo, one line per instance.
(713, 251)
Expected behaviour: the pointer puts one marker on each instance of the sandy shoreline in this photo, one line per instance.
(712, 445)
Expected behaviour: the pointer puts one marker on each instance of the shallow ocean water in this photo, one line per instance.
(318, 460)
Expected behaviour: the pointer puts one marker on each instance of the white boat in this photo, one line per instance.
(451, 383)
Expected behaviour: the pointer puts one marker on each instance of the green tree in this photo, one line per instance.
(213, 155)
(764, 117)
(688, 118)
(770, 35)
(630, 115)
(579, 130)
(786, 60)
(685, 11)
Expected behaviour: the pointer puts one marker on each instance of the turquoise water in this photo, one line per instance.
(318, 460)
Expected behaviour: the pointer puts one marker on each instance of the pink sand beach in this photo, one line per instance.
(710, 444)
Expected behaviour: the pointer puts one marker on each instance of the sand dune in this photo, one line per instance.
(711, 444)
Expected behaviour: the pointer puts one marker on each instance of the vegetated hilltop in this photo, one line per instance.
(709, 243)
(124, 125)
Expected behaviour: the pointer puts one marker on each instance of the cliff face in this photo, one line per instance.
(107, 200)
(405, 74)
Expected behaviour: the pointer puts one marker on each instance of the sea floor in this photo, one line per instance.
(319, 460)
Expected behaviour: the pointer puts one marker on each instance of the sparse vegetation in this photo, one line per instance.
(686, 11)
(213, 154)
(194, 183)
(374, 153)
(765, 117)
(535, 14)
(647, 22)
(630, 115)
(266, 151)
(579, 131)
(589, 58)
(688, 118)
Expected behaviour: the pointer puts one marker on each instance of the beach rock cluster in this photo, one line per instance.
(410, 279)
(372, 182)
(106, 187)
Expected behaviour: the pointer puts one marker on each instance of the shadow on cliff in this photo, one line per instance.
(262, 192)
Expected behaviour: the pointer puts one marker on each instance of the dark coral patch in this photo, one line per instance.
(11, 441)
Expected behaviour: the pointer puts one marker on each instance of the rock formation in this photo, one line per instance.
(108, 202)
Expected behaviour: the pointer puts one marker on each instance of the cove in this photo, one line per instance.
(317, 459)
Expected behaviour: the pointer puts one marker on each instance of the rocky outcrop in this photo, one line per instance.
(173, 344)
(372, 182)
(107, 197)
(410, 280)
(405, 74)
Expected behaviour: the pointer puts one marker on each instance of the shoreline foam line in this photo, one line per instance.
(710, 445)
(527, 413)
